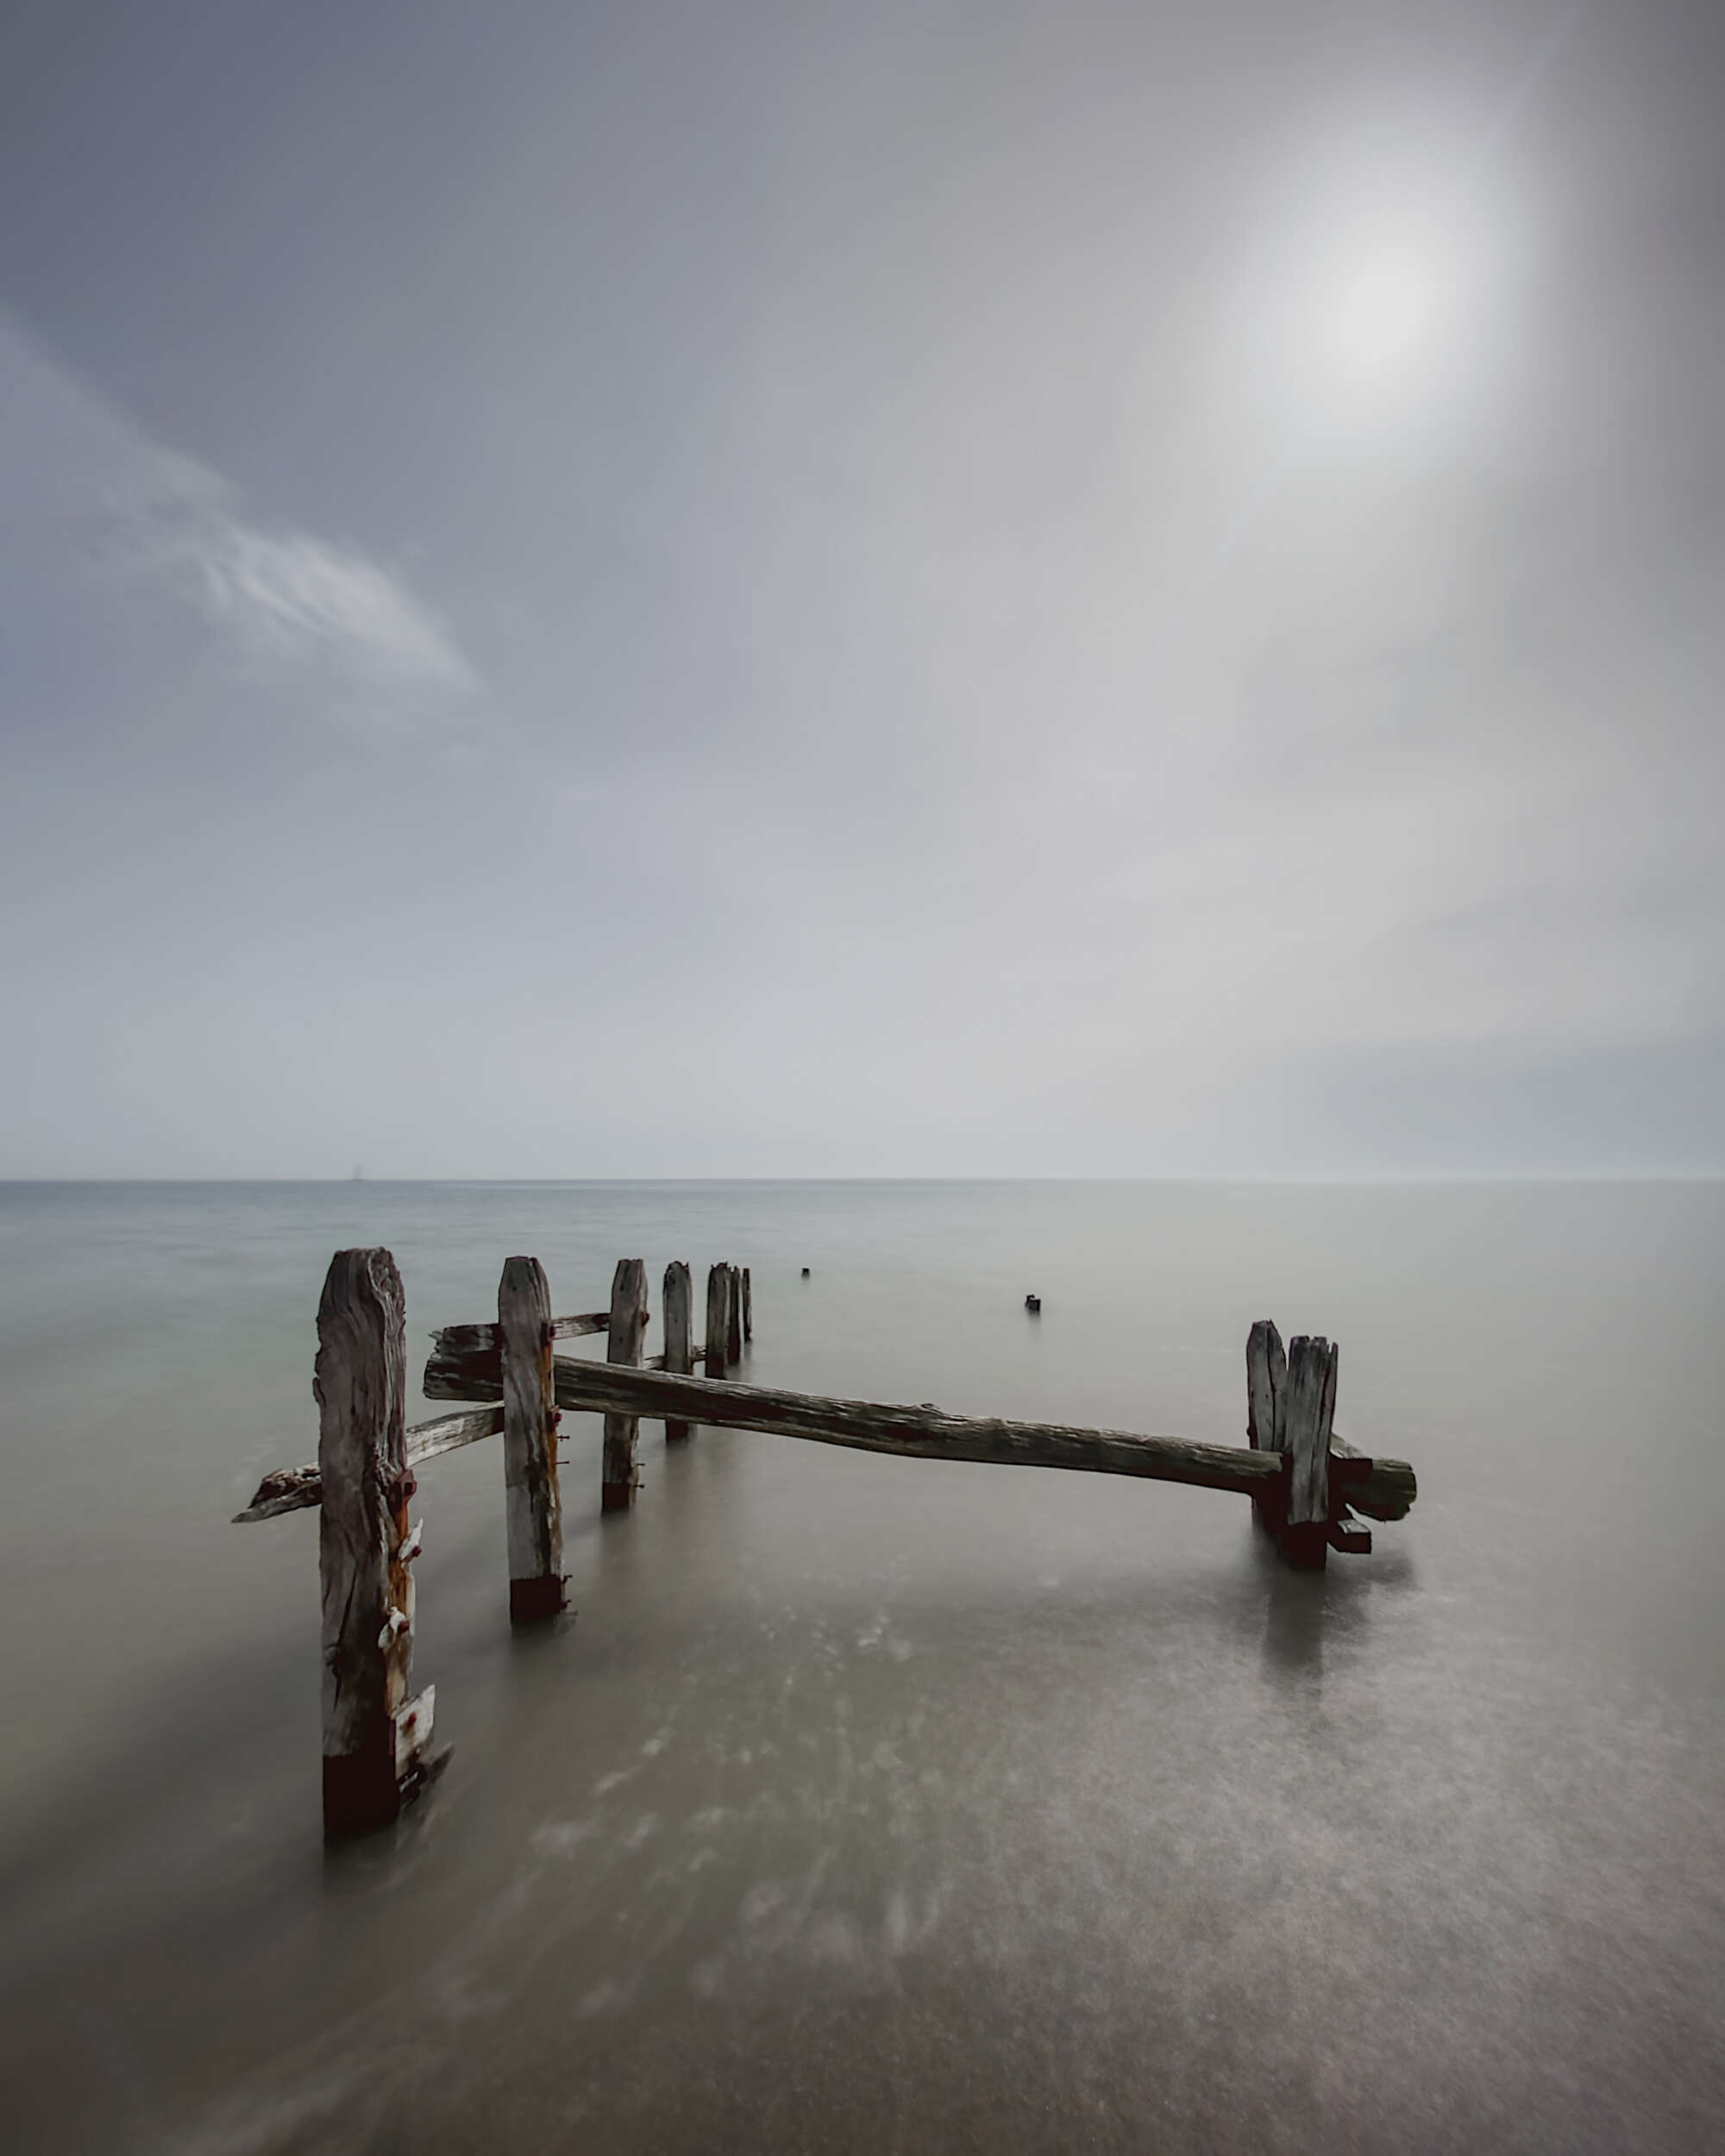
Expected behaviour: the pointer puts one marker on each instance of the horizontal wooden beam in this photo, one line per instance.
(1379, 1489)
(482, 1339)
(426, 1440)
(295, 1489)
(1385, 1488)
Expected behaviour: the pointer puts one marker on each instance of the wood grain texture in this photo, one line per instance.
(1266, 1388)
(716, 1325)
(448, 1433)
(679, 1356)
(1311, 1407)
(1382, 1489)
(1266, 1410)
(532, 1502)
(914, 1431)
(628, 1332)
(368, 1627)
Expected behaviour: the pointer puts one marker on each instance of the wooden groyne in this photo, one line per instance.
(1310, 1491)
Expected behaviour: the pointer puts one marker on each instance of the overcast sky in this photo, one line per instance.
(935, 588)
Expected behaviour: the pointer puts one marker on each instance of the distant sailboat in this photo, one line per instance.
(358, 1176)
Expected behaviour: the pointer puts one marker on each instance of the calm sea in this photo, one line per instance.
(871, 1804)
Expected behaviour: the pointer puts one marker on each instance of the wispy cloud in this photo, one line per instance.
(278, 597)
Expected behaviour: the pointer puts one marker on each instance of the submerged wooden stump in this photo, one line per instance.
(748, 1305)
(374, 1736)
(628, 1332)
(532, 1502)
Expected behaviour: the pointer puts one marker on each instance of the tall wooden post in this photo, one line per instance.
(628, 1330)
(748, 1305)
(733, 1314)
(1311, 1410)
(532, 1502)
(678, 1346)
(716, 1325)
(1266, 1406)
(374, 1735)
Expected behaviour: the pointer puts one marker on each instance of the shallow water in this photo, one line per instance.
(879, 1804)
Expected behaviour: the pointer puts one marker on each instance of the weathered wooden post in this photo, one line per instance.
(374, 1737)
(748, 1305)
(733, 1314)
(628, 1330)
(1266, 1407)
(678, 1346)
(533, 1503)
(716, 1325)
(1311, 1410)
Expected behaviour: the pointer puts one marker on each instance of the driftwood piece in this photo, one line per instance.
(733, 1315)
(283, 1489)
(1311, 1409)
(532, 1500)
(716, 1326)
(628, 1331)
(748, 1305)
(679, 1357)
(1350, 1535)
(365, 1549)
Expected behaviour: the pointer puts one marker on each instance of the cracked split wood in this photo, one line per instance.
(374, 1737)
(1312, 1362)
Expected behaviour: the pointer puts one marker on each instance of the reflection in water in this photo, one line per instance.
(1303, 1610)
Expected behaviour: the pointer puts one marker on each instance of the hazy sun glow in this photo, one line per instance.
(1369, 301)
(1383, 309)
